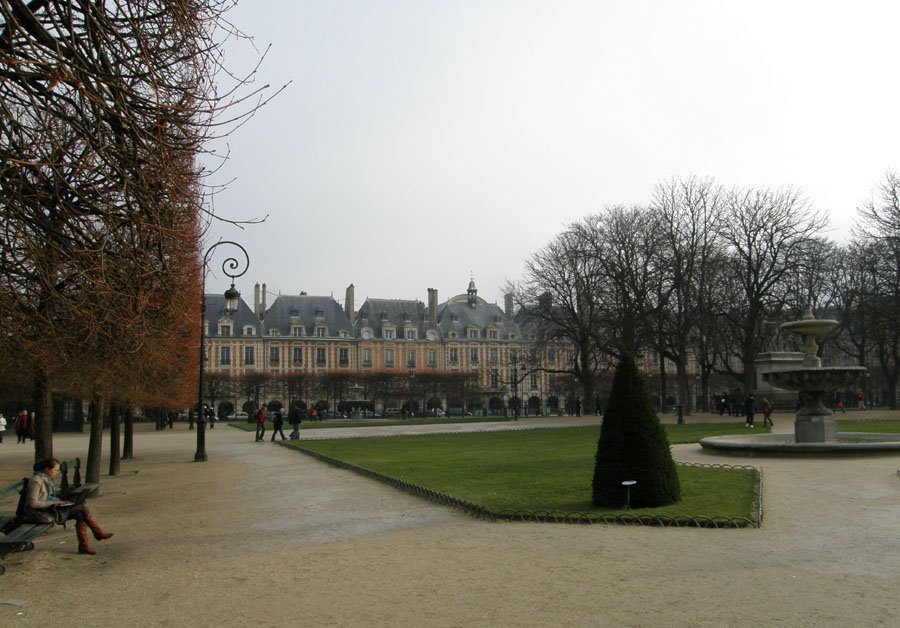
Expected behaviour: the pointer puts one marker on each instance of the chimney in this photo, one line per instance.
(508, 304)
(256, 299)
(348, 302)
(262, 312)
(432, 304)
(545, 302)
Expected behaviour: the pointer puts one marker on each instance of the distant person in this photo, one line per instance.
(860, 400)
(42, 506)
(211, 417)
(766, 407)
(2, 427)
(277, 423)
(749, 409)
(171, 418)
(840, 406)
(261, 423)
(21, 426)
(296, 419)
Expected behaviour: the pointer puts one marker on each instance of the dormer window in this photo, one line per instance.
(412, 333)
(297, 331)
(224, 330)
(493, 334)
(473, 334)
(295, 312)
(366, 333)
(454, 318)
(431, 335)
(274, 332)
(389, 333)
(321, 332)
(249, 330)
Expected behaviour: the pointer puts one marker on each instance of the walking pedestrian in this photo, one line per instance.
(261, 423)
(767, 412)
(2, 427)
(277, 423)
(295, 419)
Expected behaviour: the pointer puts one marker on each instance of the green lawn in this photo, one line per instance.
(869, 427)
(541, 469)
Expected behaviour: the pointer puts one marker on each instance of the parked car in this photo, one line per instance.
(457, 412)
(238, 416)
(392, 413)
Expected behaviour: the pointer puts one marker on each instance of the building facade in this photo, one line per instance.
(463, 355)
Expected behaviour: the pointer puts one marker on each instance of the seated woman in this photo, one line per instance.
(40, 500)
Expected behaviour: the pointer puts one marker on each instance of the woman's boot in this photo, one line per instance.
(81, 530)
(99, 534)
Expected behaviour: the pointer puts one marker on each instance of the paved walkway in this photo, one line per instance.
(261, 535)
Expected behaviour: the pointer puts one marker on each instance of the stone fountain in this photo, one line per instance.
(814, 423)
(815, 428)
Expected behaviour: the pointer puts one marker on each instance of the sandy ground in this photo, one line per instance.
(264, 536)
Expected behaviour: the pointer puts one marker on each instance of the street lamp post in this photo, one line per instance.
(232, 301)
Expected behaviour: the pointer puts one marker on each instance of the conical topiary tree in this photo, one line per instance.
(633, 446)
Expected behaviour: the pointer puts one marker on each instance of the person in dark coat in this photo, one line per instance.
(261, 423)
(277, 423)
(749, 409)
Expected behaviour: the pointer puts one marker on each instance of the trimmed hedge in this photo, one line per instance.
(633, 446)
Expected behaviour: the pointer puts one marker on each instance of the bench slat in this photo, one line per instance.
(25, 532)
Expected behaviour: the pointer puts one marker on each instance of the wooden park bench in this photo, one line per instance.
(19, 536)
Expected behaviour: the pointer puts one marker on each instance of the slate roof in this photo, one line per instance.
(304, 310)
(400, 313)
(215, 312)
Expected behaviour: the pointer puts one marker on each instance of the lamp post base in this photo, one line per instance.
(200, 456)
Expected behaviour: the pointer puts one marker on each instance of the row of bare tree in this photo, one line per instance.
(702, 275)
(104, 107)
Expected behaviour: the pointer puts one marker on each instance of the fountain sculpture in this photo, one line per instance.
(815, 428)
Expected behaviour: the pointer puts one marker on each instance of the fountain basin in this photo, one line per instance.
(848, 443)
(820, 379)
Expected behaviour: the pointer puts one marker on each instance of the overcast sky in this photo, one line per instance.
(422, 142)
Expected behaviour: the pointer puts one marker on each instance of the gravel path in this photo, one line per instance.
(263, 536)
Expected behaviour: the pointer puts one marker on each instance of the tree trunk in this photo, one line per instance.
(95, 443)
(663, 388)
(681, 378)
(114, 462)
(43, 416)
(128, 446)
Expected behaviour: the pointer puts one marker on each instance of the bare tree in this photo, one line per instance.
(766, 233)
(689, 212)
(879, 230)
